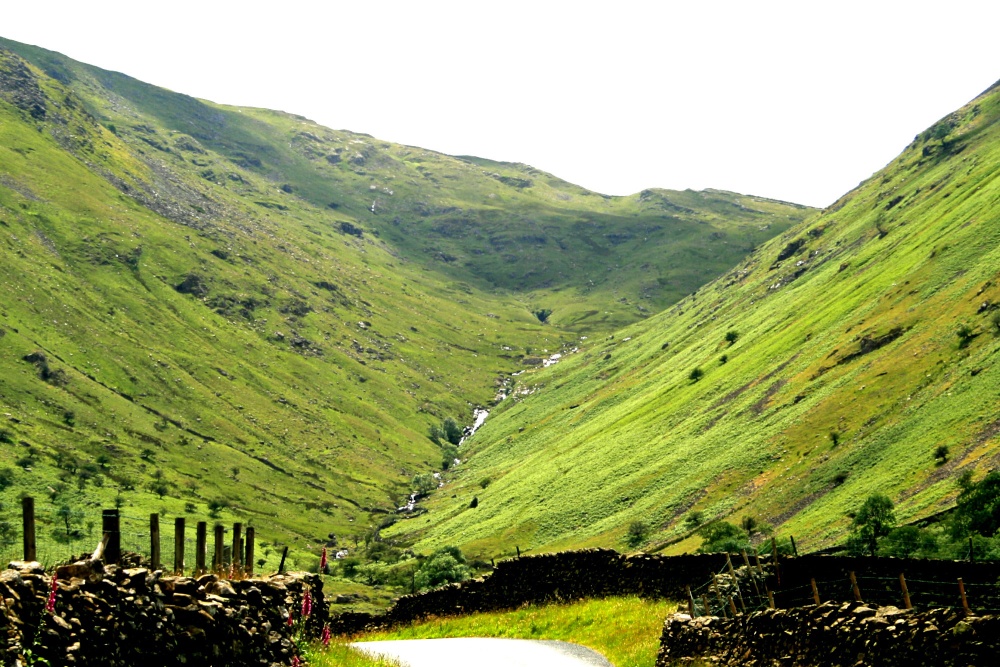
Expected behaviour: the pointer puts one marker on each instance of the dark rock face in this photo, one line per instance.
(116, 616)
(19, 86)
(832, 634)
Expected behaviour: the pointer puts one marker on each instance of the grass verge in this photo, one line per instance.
(625, 630)
(342, 655)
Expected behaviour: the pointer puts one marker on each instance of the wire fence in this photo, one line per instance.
(739, 590)
(58, 535)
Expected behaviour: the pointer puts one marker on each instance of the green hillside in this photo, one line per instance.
(596, 261)
(202, 314)
(829, 365)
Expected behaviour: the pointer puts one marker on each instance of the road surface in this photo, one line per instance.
(481, 652)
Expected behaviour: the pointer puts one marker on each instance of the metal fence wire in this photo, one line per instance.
(60, 535)
(746, 589)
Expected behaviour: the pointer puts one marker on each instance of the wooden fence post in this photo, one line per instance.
(812, 582)
(281, 565)
(154, 541)
(248, 561)
(112, 528)
(795, 549)
(906, 592)
(237, 545)
(729, 565)
(753, 579)
(217, 563)
(756, 558)
(200, 547)
(99, 551)
(690, 601)
(704, 601)
(518, 550)
(854, 587)
(965, 601)
(777, 569)
(179, 545)
(770, 596)
(718, 594)
(28, 524)
(732, 606)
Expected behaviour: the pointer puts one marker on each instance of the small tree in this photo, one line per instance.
(694, 519)
(732, 336)
(750, 524)
(452, 431)
(70, 518)
(696, 374)
(721, 536)
(423, 484)
(449, 453)
(216, 506)
(978, 507)
(965, 335)
(446, 565)
(875, 519)
(542, 314)
(941, 454)
(638, 532)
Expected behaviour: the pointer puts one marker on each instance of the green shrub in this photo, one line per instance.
(452, 431)
(978, 507)
(721, 536)
(448, 455)
(875, 519)
(423, 484)
(965, 335)
(694, 519)
(216, 506)
(446, 565)
(941, 454)
(696, 374)
(637, 533)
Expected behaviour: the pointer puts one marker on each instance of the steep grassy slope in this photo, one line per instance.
(598, 262)
(201, 311)
(867, 338)
(270, 363)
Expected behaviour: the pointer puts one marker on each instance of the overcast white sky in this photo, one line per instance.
(792, 100)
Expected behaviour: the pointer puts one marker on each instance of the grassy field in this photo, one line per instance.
(830, 365)
(624, 630)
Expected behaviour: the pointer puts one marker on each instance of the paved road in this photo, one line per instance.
(480, 652)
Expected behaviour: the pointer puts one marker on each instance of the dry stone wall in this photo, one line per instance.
(832, 635)
(569, 575)
(119, 616)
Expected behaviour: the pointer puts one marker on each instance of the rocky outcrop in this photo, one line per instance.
(117, 616)
(831, 635)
